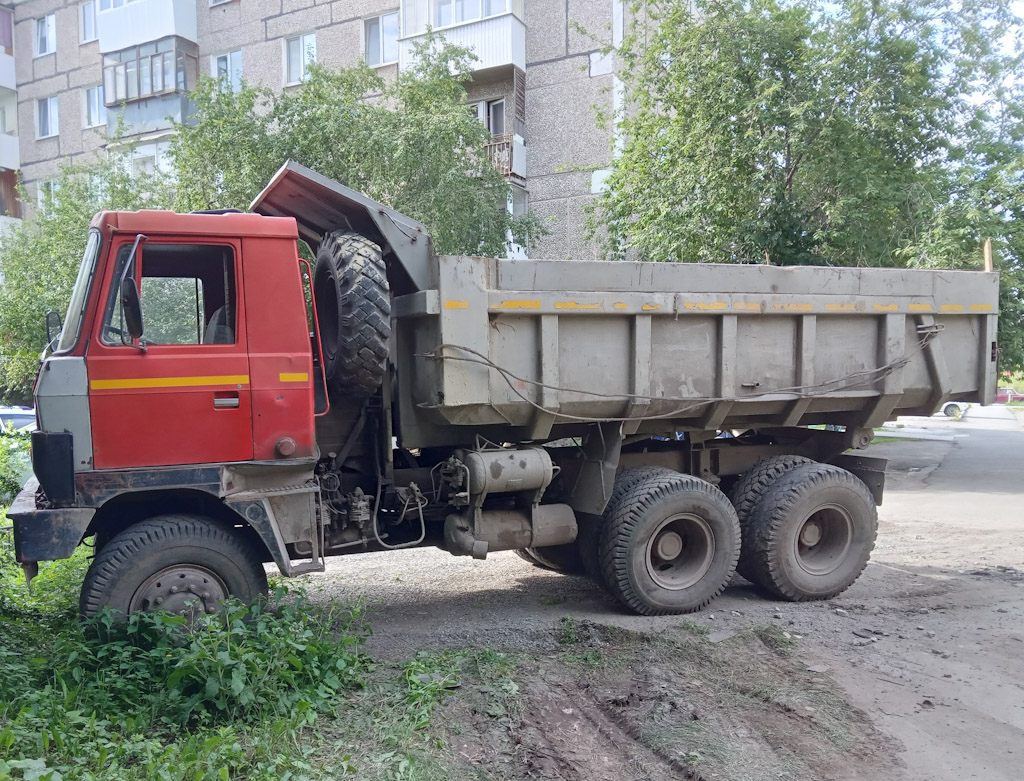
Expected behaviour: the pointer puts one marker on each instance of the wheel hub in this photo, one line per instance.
(810, 535)
(680, 551)
(186, 589)
(824, 540)
(669, 545)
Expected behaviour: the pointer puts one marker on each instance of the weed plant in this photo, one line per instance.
(231, 695)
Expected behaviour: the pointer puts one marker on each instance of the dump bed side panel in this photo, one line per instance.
(528, 349)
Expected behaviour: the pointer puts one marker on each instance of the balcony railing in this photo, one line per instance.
(507, 155)
(10, 155)
(142, 21)
(497, 42)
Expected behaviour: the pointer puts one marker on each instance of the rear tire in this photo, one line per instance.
(588, 538)
(746, 494)
(557, 558)
(183, 563)
(812, 533)
(670, 546)
(353, 305)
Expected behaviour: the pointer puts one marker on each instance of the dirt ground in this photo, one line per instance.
(915, 673)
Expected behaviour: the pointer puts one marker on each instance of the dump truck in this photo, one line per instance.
(214, 403)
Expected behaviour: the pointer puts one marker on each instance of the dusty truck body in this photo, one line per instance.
(655, 425)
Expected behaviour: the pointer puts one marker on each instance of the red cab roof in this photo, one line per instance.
(231, 224)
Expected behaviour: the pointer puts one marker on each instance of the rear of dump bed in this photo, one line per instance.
(525, 349)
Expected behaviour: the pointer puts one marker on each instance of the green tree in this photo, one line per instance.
(42, 253)
(858, 132)
(409, 143)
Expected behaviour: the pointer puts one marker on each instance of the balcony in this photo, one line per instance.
(10, 206)
(7, 50)
(498, 40)
(142, 21)
(507, 153)
(10, 157)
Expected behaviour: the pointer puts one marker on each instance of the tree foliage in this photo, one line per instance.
(858, 132)
(409, 143)
(42, 253)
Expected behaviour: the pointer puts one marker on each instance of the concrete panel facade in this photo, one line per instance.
(566, 76)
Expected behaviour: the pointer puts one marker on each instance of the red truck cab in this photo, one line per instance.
(203, 383)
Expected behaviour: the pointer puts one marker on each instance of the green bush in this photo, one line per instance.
(14, 462)
(227, 696)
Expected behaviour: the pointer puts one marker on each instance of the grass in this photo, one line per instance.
(236, 695)
(277, 690)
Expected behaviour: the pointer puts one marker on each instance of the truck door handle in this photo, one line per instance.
(225, 401)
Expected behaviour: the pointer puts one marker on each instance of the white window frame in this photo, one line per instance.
(218, 2)
(483, 110)
(380, 39)
(111, 4)
(52, 117)
(305, 50)
(215, 69)
(83, 14)
(101, 107)
(50, 24)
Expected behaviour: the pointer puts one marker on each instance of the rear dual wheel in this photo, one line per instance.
(810, 534)
(669, 544)
(557, 558)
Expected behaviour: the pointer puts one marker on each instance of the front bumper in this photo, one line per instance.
(45, 534)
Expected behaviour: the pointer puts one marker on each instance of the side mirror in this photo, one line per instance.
(53, 326)
(131, 306)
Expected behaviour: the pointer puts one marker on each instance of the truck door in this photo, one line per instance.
(181, 394)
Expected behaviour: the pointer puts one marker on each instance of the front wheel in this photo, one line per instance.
(812, 533)
(670, 545)
(182, 563)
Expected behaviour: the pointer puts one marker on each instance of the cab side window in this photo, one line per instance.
(188, 295)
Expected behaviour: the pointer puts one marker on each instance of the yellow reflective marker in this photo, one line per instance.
(456, 304)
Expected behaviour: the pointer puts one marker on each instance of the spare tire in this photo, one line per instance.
(353, 306)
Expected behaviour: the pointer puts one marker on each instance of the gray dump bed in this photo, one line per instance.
(698, 346)
(529, 349)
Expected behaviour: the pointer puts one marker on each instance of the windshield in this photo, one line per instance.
(80, 294)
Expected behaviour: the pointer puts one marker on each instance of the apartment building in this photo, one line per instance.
(80, 66)
(10, 156)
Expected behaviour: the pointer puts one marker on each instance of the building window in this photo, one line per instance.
(47, 120)
(168, 65)
(491, 114)
(300, 53)
(382, 39)
(3, 120)
(519, 203)
(95, 109)
(46, 35)
(88, 21)
(6, 31)
(46, 195)
(228, 69)
(448, 12)
(106, 5)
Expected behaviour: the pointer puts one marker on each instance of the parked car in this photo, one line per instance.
(1008, 394)
(952, 409)
(21, 418)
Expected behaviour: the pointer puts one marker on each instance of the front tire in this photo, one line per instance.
(670, 546)
(812, 533)
(183, 563)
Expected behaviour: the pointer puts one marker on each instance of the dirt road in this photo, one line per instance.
(928, 645)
